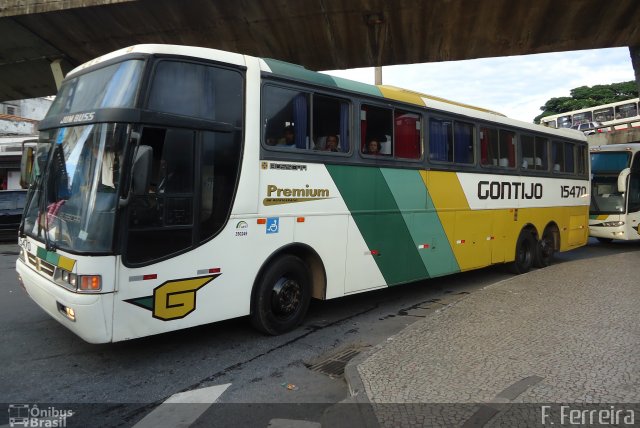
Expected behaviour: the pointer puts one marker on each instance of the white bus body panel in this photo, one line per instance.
(628, 231)
(93, 311)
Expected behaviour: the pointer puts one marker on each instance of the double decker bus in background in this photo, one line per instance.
(610, 117)
(180, 186)
(615, 192)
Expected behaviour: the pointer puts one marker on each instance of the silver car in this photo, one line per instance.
(588, 128)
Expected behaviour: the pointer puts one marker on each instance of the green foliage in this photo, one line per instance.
(589, 96)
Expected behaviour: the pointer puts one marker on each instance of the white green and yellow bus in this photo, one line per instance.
(615, 192)
(180, 186)
(612, 116)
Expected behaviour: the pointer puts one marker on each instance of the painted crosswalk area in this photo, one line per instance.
(192, 404)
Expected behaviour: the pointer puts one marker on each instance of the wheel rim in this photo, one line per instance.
(524, 253)
(546, 246)
(286, 297)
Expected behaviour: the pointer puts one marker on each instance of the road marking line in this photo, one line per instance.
(192, 405)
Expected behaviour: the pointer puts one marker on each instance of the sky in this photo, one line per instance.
(516, 86)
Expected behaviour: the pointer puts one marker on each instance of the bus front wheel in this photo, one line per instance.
(282, 296)
(525, 247)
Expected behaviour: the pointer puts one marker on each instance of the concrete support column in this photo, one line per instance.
(56, 69)
(634, 51)
(378, 75)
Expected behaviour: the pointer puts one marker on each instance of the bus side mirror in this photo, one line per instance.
(622, 180)
(26, 167)
(141, 176)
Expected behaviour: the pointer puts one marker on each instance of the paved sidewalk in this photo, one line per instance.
(569, 333)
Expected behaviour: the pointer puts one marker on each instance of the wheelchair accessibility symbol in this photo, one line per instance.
(273, 225)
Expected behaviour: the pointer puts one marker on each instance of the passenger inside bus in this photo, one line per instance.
(373, 147)
(288, 138)
(331, 143)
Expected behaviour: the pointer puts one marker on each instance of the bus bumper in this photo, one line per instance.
(607, 232)
(92, 320)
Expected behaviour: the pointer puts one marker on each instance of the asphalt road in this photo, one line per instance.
(119, 384)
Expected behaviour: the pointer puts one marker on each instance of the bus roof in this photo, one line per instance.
(299, 72)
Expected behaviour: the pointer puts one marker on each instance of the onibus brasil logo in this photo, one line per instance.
(174, 299)
(26, 415)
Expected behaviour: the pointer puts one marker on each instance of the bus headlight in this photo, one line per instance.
(613, 223)
(78, 283)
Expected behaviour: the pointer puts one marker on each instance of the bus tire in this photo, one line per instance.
(525, 253)
(282, 296)
(545, 249)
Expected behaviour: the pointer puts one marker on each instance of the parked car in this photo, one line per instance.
(11, 207)
(588, 128)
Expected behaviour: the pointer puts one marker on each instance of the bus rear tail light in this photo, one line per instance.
(89, 283)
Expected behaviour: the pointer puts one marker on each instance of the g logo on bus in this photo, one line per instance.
(174, 299)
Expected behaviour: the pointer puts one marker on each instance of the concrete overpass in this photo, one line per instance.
(319, 34)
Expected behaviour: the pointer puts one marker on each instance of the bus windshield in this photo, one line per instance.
(74, 203)
(609, 162)
(605, 198)
(113, 86)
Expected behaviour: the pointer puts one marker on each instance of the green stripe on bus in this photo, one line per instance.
(298, 72)
(382, 225)
(418, 211)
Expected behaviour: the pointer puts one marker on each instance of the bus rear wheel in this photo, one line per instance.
(545, 248)
(524, 253)
(282, 296)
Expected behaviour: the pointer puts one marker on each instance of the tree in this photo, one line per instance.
(589, 96)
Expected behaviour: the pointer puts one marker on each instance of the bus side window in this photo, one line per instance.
(463, 142)
(534, 152)
(451, 141)
(285, 114)
(376, 124)
(440, 140)
(330, 119)
(541, 154)
(527, 151)
(489, 152)
(558, 156)
(563, 156)
(581, 160)
(407, 134)
(507, 158)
